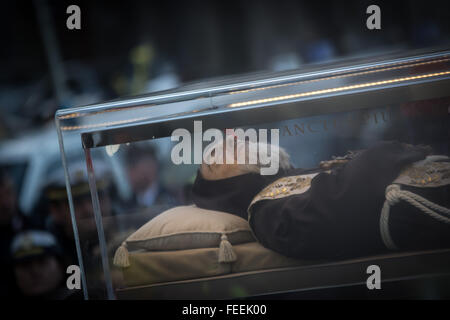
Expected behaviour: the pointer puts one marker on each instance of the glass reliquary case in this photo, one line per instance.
(138, 232)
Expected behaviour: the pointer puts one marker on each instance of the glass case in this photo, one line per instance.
(320, 113)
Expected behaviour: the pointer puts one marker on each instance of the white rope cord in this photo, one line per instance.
(393, 195)
(384, 227)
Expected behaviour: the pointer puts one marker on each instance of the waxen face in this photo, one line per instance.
(218, 171)
(39, 276)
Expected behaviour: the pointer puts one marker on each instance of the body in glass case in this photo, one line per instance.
(158, 241)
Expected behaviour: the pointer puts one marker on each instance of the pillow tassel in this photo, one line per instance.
(226, 252)
(121, 258)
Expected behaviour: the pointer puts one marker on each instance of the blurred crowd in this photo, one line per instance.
(37, 248)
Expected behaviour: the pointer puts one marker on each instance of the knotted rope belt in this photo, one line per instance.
(393, 195)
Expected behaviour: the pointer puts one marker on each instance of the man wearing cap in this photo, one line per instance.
(11, 221)
(38, 266)
(143, 174)
(59, 221)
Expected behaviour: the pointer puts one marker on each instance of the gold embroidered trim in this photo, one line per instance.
(284, 187)
(425, 174)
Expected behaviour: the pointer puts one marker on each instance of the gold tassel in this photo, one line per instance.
(121, 258)
(226, 252)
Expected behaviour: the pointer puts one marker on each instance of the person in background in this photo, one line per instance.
(59, 219)
(38, 266)
(11, 222)
(143, 174)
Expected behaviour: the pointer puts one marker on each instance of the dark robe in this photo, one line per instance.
(338, 216)
(232, 195)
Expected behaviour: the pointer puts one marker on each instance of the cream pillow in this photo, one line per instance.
(188, 227)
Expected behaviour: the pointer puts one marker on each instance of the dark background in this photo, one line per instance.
(211, 38)
(196, 40)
